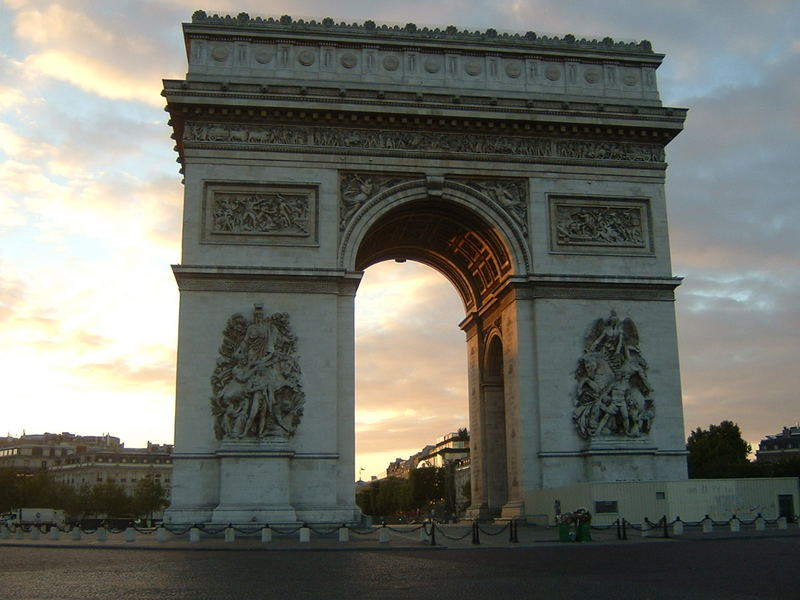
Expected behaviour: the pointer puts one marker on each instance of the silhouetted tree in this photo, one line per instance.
(109, 499)
(719, 451)
(148, 497)
(426, 487)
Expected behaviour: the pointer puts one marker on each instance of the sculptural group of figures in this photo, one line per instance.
(602, 225)
(613, 393)
(405, 140)
(256, 384)
(358, 188)
(260, 213)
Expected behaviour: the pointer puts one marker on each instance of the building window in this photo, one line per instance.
(605, 506)
(661, 496)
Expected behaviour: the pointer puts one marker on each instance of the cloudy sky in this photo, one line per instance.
(90, 201)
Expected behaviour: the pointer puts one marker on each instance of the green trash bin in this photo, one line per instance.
(564, 530)
(584, 532)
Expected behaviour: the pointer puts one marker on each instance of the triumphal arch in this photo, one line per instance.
(528, 170)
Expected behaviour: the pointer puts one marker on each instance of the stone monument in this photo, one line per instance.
(528, 170)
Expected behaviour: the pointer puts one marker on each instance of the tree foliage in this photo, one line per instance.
(109, 499)
(718, 452)
(18, 490)
(423, 491)
(149, 497)
(106, 499)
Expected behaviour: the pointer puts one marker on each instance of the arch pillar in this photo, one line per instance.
(496, 384)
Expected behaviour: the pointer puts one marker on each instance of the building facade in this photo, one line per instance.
(79, 460)
(781, 446)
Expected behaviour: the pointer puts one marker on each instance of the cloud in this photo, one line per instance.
(410, 360)
(737, 309)
(734, 233)
(108, 53)
(95, 76)
(11, 72)
(119, 373)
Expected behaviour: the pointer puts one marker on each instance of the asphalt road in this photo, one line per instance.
(729, 569)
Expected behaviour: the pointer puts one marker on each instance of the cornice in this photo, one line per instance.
(512, 118)
(265, 280)
(410, 33)
(226, 95)
(596, 287)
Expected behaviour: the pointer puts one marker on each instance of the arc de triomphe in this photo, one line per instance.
(528, 170)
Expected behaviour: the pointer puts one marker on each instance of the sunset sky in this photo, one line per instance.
(90, 205)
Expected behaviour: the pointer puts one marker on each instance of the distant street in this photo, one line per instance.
(664, 569)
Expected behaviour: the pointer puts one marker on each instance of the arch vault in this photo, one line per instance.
(528, 171)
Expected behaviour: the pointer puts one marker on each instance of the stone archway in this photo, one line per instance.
(529, 171)
(453, 238)
(494, 431)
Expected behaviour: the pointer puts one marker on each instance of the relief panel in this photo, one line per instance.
(244, 213)
(600, 225)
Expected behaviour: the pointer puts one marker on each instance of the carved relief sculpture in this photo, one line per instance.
(260, 213)
(613, 395)
(510, 195)
(599, 226)
(421, 141)
(256, 385)
(358, 188)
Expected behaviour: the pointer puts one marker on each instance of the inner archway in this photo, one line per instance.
(443, 235)
(411, 384)
(473, 256)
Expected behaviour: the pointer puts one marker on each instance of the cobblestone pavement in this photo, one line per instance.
(743, 566)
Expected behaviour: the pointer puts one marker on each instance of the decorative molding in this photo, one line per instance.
(613, 395)
(471, 145)
(224, 279)
(511, 195)
(600, 225)
(247, 213)
(256, 385)
(358, 189)
(507, 198)
(450, 33)
(600, 292)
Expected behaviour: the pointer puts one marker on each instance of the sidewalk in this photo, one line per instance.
(399, 537)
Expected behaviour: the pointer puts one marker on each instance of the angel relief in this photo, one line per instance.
(256, 385)
(613, 393)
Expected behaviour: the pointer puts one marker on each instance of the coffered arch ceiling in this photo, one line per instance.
(446, 236)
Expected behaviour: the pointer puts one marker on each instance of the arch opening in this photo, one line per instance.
(474, 257)
(469, 252)
(493, 421)
(411, 383)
